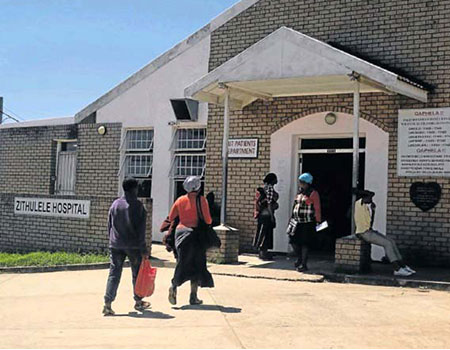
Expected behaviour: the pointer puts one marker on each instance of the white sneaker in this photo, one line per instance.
(402, 272)
(410, 269)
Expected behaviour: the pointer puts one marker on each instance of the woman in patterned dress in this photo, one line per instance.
(307, 213)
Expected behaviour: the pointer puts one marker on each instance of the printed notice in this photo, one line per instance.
(424, 143)
(69, 208)
(243, 148)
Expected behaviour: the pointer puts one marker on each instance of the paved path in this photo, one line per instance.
(63, 310)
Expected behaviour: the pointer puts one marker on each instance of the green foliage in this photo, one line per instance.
(49, 259)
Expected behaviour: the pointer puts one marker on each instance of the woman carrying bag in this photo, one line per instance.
(192, 239)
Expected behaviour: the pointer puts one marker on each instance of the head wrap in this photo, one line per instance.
(192, 183)
(306, 177)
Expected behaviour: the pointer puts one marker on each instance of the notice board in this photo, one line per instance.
(423, 142)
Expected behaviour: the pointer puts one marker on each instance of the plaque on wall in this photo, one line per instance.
(424, 142)
(425, 195)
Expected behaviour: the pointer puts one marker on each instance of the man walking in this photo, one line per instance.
(126, 229)
(364, 218)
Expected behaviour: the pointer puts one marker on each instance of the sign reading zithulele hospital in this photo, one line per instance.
(424, 142)
(67, 208)
(243, 148)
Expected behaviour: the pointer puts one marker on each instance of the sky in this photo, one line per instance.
(58, 56)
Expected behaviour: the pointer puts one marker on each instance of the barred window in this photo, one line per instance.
(139, 140)
(138, 159)
(189, 156)
(185, 165)
(138, 165)
(189, 140)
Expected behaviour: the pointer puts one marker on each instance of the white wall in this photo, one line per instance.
(147, 104)
(283, 162)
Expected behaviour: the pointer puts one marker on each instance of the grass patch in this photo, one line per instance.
(49, 259)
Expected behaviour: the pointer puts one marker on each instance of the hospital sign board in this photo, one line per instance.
(56, 207)
(424, 142)
(243, 148)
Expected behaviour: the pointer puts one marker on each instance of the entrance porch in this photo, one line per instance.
(279, 80)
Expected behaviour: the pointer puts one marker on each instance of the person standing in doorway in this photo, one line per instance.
(364, 219)
(265, 205)
(307, 213)
(126, 229)
(191, 252)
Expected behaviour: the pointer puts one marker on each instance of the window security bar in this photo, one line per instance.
(184, 165)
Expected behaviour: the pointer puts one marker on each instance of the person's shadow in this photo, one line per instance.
(147, 314)
(205, 307)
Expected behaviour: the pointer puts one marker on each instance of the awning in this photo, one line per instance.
(289, 63)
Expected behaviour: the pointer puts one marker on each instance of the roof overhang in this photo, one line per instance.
(289, 63)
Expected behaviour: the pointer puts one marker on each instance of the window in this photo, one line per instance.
(190, 140)
(189, 156)
(66, 167)
(138, 159)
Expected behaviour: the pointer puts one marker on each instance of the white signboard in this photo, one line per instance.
(67, 208)
(424, 142)
(243, 148)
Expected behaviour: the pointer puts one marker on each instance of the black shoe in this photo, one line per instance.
(193, 300)
(107, 311)
(302, 268)
(172, 295)
(298, 263)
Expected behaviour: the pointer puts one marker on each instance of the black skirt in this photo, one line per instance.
(304, 234)
(263, 239)
(191, 262)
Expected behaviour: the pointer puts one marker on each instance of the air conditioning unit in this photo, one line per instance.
(185, 109)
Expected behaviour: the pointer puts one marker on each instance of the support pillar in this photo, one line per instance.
(229, 251)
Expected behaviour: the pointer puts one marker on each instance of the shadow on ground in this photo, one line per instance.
(224, 309)
(147, 314)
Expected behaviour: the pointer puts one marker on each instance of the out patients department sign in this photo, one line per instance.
(68, 208)
(424, 142)
(243, 148)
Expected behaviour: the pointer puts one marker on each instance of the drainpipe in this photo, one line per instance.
(226, 125)
(356, 102)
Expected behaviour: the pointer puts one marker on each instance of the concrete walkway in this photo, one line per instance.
(321, 268)
(63, 310)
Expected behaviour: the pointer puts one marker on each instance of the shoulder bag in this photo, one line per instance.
(209, 237)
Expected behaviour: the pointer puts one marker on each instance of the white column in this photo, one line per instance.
(356, 95)
(226, 125)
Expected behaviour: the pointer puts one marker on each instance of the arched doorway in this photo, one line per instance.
(310, 144)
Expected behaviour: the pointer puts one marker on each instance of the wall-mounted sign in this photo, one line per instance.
(68, 208)
(425, 196)
(243, 148)
(424, 142)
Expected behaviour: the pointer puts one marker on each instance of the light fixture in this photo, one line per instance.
(330, 118)
(101, 130)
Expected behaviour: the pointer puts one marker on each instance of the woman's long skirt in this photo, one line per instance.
(263, 239)
(304, 234)
(191, 261)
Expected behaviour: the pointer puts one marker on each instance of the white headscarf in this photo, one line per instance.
(192, 183)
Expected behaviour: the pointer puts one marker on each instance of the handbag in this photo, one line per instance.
(145, 282)
(292, 226)
(209, 237)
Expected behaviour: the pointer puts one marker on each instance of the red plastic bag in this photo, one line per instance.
(145, 282)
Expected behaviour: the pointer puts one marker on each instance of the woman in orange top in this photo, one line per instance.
(191, 261)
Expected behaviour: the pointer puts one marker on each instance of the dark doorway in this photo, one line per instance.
(332, 174)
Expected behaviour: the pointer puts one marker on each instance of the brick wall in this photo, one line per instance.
(27, 157)
(27, 165)
(409, 36)
(98, 160)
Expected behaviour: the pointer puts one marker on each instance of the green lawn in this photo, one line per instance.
(49, 259)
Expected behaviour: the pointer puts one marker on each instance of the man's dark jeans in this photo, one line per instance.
(117, 258)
